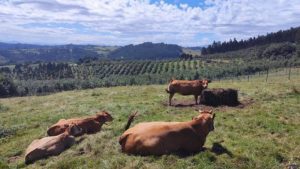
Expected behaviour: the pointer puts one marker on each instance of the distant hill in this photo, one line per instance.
(148, 51)
(19, 53)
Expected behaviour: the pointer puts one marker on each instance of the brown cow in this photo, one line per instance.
(158, 138)
(52, 145)
(186, 87)
(89, 125)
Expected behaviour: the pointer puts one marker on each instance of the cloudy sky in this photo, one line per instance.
(121, 22)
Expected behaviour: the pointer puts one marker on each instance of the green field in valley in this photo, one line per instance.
(263, 134)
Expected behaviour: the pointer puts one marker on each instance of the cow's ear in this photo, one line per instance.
(200, 111)
(210, 111)
(208, 81)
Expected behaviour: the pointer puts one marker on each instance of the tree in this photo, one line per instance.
(7, 87)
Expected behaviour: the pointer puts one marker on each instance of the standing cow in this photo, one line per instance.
(158, 138)
(88, 125)
(52, 145)
(186, 87)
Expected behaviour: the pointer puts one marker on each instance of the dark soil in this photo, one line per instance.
(188, 103)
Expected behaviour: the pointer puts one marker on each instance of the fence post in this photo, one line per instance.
(267, 75)
(248, 78)
(290, 72)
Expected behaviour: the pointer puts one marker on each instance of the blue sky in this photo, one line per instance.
(122, 22)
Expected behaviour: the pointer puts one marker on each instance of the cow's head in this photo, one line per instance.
(74, 130)
(206, 117)
(205, 83)
(103, 117)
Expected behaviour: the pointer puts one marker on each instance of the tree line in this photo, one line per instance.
(292, 35)
(46, 78)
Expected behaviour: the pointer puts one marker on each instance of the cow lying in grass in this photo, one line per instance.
(88, 125)
(186, 87)
(158, 138)
(52, 145)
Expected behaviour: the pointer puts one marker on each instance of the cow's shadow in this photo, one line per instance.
(184, 105)
(184, 154)
(218, 149)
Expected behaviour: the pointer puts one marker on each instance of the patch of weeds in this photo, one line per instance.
(279, 157)
(3, 165)
(3, 108)
(5, 132)
(295, 90)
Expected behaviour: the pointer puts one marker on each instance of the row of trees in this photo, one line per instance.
(86, 79)
(291, 35)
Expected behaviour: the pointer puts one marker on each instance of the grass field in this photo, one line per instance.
(264, 134)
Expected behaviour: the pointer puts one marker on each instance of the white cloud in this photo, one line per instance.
(119, 22)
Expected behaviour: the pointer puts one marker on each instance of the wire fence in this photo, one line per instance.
(287, 73)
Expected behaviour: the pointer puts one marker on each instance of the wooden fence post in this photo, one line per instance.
(267, 75)
(290, 72)
(248, 78)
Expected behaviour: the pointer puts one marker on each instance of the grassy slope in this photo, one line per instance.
(262, 135)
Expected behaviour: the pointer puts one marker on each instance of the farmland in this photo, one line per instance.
(263, 134)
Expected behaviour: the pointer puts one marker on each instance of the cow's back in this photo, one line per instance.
(158, 138)
(47, 146)
(62, 125)
(185, 87)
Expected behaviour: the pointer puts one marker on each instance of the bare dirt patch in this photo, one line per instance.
(190, 103)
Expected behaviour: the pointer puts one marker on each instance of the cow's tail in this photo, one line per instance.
(130, 120)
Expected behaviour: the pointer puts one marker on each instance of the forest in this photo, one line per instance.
(292, 35)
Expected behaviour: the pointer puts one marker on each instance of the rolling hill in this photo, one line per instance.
(21, 53)
(147, 51)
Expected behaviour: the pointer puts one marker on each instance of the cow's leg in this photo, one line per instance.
(196, 99)
(170, 98)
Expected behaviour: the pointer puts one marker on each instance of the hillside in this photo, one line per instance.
(147, 51)
(44, 78)
(274, 51)
(291, 35)
(264, 134)
(20, 53)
